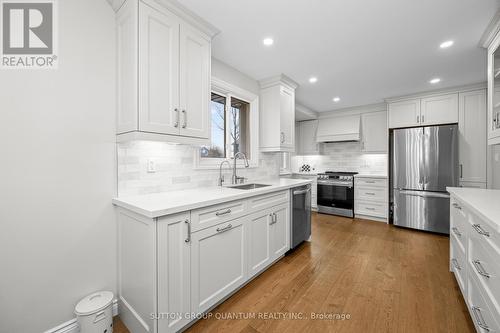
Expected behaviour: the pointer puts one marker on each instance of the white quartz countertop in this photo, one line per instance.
(484, 203)
(361, 175)
(166, 203)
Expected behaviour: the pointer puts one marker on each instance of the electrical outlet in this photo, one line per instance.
(151, 166)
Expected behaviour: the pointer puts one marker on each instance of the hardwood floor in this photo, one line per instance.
(378, 277)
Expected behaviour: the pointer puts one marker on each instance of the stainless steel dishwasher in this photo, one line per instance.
(301, 215)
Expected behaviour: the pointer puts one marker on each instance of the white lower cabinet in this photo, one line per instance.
(259, 241)
(174, 267)
(268, 237)
(370, 198)
(474, 260)
(174, 271)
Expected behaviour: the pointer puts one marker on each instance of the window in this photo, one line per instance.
(234, 126)
(230, 130)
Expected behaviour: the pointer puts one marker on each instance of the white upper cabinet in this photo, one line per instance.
(494, 91)
(306, 137)
(277, 114)
(158, 71)
(472, 141)
(442, 109)
(404, 114)
(163, 74)
(426, 111)
(374, 132)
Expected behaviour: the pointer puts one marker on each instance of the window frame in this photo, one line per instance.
(229, 90)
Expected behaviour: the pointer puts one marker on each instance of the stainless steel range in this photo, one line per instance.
(336, 193)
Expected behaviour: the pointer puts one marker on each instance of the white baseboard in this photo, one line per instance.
(71, 326)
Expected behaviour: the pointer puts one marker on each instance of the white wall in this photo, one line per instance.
(58, 175)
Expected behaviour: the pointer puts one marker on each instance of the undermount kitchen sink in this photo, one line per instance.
(248, 186)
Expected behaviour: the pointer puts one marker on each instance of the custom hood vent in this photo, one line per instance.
(338, 129)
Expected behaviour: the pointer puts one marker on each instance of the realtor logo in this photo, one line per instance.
(28, 34)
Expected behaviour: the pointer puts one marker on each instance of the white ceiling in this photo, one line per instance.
(361, 50)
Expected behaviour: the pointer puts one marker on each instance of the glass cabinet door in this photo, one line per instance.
(494, 91)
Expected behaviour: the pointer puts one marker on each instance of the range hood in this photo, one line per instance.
(338, 129)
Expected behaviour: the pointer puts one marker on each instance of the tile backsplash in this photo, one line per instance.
(343, 156)
(175, 168)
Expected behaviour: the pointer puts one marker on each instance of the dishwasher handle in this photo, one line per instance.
(298, 192)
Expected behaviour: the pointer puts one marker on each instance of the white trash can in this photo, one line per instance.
(95, 314)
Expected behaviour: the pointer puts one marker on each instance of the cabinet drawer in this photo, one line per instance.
(482, 230)
(458, 265)
(370, 193)
(458, 224)
(370, 182)
(480, 309)
(370, 209)
(209, 216)
(484, 265)
(268, 200)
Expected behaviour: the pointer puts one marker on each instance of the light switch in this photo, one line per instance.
(151, 166)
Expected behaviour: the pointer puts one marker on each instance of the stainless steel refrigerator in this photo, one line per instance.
(424, 163)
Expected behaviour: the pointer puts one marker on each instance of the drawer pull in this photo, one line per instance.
(457, 206)
(224, 212)
(456, 232)
(480, 269)
(370, 208)
(370, 181)
(480, 230)
(228, 227)
(369, 193)
(479, 318)
(456, 264)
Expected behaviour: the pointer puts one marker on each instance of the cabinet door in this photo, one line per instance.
(280, 231)
(374, 132)
(194, 83)
(259, 241)
(494, 92)
(126, 21)
(218, 263)
(441, 109)
(307, 137)
(287, 118)
(472, 140)
(174, 278)
(158, 71)
(404, 113)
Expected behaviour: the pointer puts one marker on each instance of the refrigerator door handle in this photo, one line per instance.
(424, 194)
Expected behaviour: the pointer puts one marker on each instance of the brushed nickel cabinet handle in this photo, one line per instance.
(369, 208)
(226, 228)
(456, 231)
(188, 239)
(224, 212)
(184, 113)
(479, 318)
(369, 193)
(480, 230)
(461, 171)
(456, 206)
(480, 269)
(455, 263)
(176, 124)
(282, 135)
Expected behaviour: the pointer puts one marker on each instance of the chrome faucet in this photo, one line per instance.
(235, 178)
(221, 176)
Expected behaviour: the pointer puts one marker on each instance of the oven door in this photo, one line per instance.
(336, 198)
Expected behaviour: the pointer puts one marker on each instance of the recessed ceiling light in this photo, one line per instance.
(313, 79)
(447, 44)
(435, 80)
(268, 41)
(336, 99)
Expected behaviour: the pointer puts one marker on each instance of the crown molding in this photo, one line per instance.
(428, 93)
(278, 79)
(491, 31)
(178, 9)
(354, 110)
